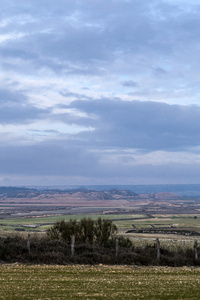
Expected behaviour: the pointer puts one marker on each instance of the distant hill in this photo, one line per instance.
(160, 196)
(18, 192)
(183, 190)
(22, 192)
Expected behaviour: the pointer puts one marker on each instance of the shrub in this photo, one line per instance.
(87, 231)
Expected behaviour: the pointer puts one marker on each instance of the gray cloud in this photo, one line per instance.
(143, 125)
(95, 33)
(129, 83)
(61, 163)
(15, 108)
(66, 70)
(8, 97)
(47, 159)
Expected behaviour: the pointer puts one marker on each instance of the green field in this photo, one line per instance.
(121, 220)
(43, 223)
(98, 282)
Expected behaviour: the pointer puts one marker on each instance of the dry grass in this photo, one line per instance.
(98, 282)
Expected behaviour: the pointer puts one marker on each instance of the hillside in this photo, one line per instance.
(23, 201)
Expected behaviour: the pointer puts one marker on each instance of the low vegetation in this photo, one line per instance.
(95, 242)
(100, 232)
(98, 282)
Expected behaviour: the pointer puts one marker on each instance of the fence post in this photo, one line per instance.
(158, 248)
(29, 243)
(195, 250)
(72, 245)
(116, 247)
(184, 250)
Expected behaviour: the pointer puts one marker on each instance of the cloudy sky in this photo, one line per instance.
(99, 92)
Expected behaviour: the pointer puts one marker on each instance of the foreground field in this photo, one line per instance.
(98, 282)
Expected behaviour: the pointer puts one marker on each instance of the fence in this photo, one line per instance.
(181, 244)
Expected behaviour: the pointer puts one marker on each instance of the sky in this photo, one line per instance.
(99, 92)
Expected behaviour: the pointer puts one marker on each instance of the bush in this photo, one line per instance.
(86, 231)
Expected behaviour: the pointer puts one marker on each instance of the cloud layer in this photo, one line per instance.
(96, 92)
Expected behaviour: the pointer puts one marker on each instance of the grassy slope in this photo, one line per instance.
(98, 282)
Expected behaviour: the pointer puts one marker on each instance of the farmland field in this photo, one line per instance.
(98, 282)
(124, 222)
(121, 220)
(44, 222)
